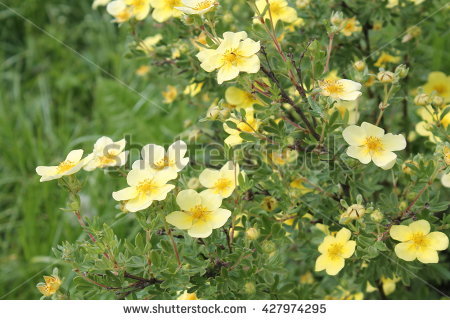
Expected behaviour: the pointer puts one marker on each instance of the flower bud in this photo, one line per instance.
(268, 246)
(269, 203)
(376, 216)
(438, 101)
(252, 233)
(193, 183)
(354, 212)
(407, 169)
(250, 288)
(402, 71)
(359, 65)
(386, 76)
(422, 99)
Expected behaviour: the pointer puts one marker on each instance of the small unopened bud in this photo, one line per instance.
(406, 169)
(402, 71)
(252, 233)
(269, 203)
(354, 212)
(376, 216)
(193, 183)
(250, 288)
(438, 101)
(422, 99)
(268, 246)
(386, 76)
(359, 65)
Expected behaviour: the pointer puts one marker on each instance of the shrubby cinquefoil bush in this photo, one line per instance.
(319, 169)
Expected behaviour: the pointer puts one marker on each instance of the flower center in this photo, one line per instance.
(146, 187)
(65, 166)
(199, 211)
(222, 185)
(374, 144)
(231, 56)
(335, 251)
(203, 5)
(333, 87)
(420, 241)
(440, 89)
(163, 163)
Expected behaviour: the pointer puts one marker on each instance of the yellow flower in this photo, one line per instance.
(342, 89)
(430, 118)
(385, 58)
(193, 89)
(307, 278)
(51, 285)
(119, 10)
(197, 6)
(201, 213)
(370, 143)
(170, 94)
(350, 26)
(143, 70)
(249, 125)
(439, 83)
(236, 53)
(145, 186)
(279, 10)
(240, 99)
(334, 251)
(221, 182)
(98, 3)
(148, 44)
(299, 184)
(351, 106)
(139, 8)
(188, 296)
(107, 153)
(71, 165)
(417, 242)
(165, 9)
(155, 158)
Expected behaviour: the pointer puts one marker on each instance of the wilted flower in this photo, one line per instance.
(350, 26)
(386, 76)
(51, 285)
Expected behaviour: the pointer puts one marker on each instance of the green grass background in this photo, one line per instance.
(52, 100)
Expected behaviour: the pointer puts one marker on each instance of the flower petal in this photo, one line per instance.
(210, 200)
(200, 229)
(405, 251)
(180, 219)
(393, 142)
(75, 155)
(188, 199)
(420, 226)
(209, 177)
(219, 217)
(383, 158)
(400, 233)
(354, 135)
(359, 153)
(439, 240)
(371, 130)
(125, 194)
(428, 256)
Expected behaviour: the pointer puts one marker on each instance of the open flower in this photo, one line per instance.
(431, 118)
(119, 10)
(369, 143)
(341, 89)
(148, 44)
(98, 3)
(145, 186)
(197, 6)
(139, 8)
(188, 296)
(221, 182)
(51, 285)
(249, 125)
(240, 99)
(155, 158)
(201, 213)
(418, 242)
(165, 9)
(350, 26)
(107, 153)
(236, 53)
(439, 83)
(334, 251)
(386, 58)
(71, 165)
(279, 10)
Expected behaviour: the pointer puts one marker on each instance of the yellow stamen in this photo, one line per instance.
(333, 87)
(65, 166)
(163, 163)
(203, 5)
(222, 185)
(335, 251)
(419, 241)
(199, 212)
(146, 187)
(373, 144)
